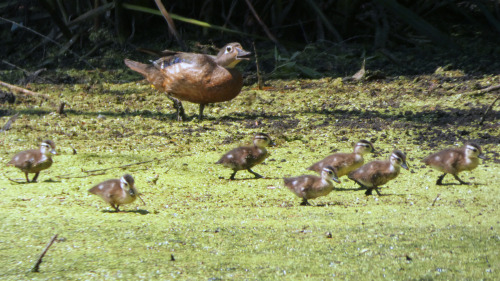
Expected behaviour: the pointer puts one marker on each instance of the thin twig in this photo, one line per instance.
(7, 125)
(264, 26)
(123, 166)
(13, 180)
(437, 197)
(15, 66)
(22, 90)
(488, 110)
(259, 77)
(68, 176)
(138, 195)
(490, 89)
(39, 261)
(48, 38)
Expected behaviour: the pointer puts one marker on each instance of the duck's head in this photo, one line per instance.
(231, 54)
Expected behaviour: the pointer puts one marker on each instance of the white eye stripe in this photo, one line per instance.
(473, 148)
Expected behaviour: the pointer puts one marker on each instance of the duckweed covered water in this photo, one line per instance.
(199, 225)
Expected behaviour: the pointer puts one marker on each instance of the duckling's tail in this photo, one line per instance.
(137, 66)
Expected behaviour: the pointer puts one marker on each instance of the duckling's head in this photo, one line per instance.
(363, 147)
(231, 54)
(48, 146)
(398, 158)
(330, 173)
(263, 140)
(127, 182)
(473, 150)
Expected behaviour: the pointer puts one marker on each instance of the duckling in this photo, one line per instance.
(117, 191)
(196, 78)
(245, 157)
(376, 173)
(310, 186)
(344, 163)
(34, 160)
(455, 160)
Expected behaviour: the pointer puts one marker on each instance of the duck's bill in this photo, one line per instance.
(243, 55)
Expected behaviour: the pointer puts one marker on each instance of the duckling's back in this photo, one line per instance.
(31, 161)
(243, 157)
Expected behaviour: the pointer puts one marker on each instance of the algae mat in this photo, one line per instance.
(197, 224)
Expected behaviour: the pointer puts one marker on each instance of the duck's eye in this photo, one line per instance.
(229, 49)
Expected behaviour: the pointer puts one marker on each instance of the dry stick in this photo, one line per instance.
(490, 88)
(259, 77)
(138, 195)
(433, 203)
(49, 39)
(66, 176)
(263, 25)
(60, 110)
(170, 22)
(13, 180)
(488, 110)
(15, 66)
(123, 166)
(39, 261)
(7, 125)
(24, 91)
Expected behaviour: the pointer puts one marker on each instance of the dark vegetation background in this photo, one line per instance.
(293, 38)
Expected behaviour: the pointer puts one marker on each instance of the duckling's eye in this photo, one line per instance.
(475, 150)
(229, 49)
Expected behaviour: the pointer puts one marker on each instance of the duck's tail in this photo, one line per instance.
(137, 66)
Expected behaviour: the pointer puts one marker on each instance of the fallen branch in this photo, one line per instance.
(39, 261)
(490, 89)
(24, 91)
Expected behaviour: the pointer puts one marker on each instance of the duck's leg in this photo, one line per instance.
(202, 106)
(232, 175)
(257, 176)
(181, 115)
(378, 192)
(440, 179)
(35, 177)
(459, 180)
(304, 202)
(117, 207)
(27, 178)
(369, 191)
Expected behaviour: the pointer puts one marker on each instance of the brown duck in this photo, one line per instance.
(455, 160)
(196, 78)
(310, 186)
(117, 192)
(34, 160)
(344, 163)
(245, 157)
(377, 173)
